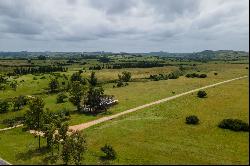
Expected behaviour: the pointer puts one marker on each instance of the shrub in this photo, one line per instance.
(4, 106)
(201, 94)
(192, 119)
(119, 84)
(109, 151)
(60, 97)
(202, 76)
(216, 74)
(234, 124)
(19, 102)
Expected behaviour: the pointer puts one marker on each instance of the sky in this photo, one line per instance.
(124, 25)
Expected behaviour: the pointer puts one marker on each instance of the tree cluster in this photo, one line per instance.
(39, 69)
(195, 75)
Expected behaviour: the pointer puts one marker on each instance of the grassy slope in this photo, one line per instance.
(136, 94)
(159, 135)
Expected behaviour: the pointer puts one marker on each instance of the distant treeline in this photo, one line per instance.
(142, 64)
(39, 69)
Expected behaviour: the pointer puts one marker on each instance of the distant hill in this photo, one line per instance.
(207, 55)
(203, 55)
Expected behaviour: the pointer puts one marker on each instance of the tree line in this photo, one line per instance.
(39, 69)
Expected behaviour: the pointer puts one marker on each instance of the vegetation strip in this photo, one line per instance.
(91, 123)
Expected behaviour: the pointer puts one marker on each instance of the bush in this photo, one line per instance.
(215, 74)
(192, 119)
(234, 124)
(202, 76)
(4, 106)
(195, 75)
(109, 151)
(60, 97)
(201, 94)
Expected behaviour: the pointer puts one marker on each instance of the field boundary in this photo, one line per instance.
(85, 125)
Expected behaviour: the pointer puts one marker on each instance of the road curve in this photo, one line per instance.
(94, 122)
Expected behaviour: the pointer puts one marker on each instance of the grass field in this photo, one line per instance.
(159, 135)
(136, 94)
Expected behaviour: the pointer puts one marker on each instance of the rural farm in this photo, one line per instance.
(124, 108)
(124, 82)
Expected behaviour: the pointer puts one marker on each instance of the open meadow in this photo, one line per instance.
(154, 135)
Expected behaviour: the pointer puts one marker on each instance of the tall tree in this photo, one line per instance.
(33, 116)
(92, 79)
(78, 146)
(77, 93)
(53, 85)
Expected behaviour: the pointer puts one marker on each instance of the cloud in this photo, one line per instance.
(150, 24)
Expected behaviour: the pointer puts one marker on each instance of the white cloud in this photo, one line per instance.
(119, 25)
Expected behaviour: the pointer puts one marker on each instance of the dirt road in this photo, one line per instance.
(94, 122)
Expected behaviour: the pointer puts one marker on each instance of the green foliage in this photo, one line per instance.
(93, 79)
(192, 119)
(201, 94)
(60, 97)
(77, 93)
(94, 99)
(78, 145)
(125, 77)
(62, 131)
(53, 85)
(74, 146)
(110, 153)
(173, 75)
(33, 115)
(195, 75)
(19, 102)
(234, 125)
(13, 122)
(13, 85)
(77, 77)
(4, 106)
(158, 77)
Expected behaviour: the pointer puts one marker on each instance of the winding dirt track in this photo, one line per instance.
(94, 122)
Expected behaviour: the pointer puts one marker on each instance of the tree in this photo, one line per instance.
(74, 146)
(109, 151)
(62, 131)
(94, 99)
(4, 106)
(201, 94)
(60, 97)
(78, 146)
(77, 93)
(53, 85)
(19, 102)
(13, 85)
(126, 76)
(93, 79)
(77, 77)
(34, 114)
(66, 151)
(49, 131)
